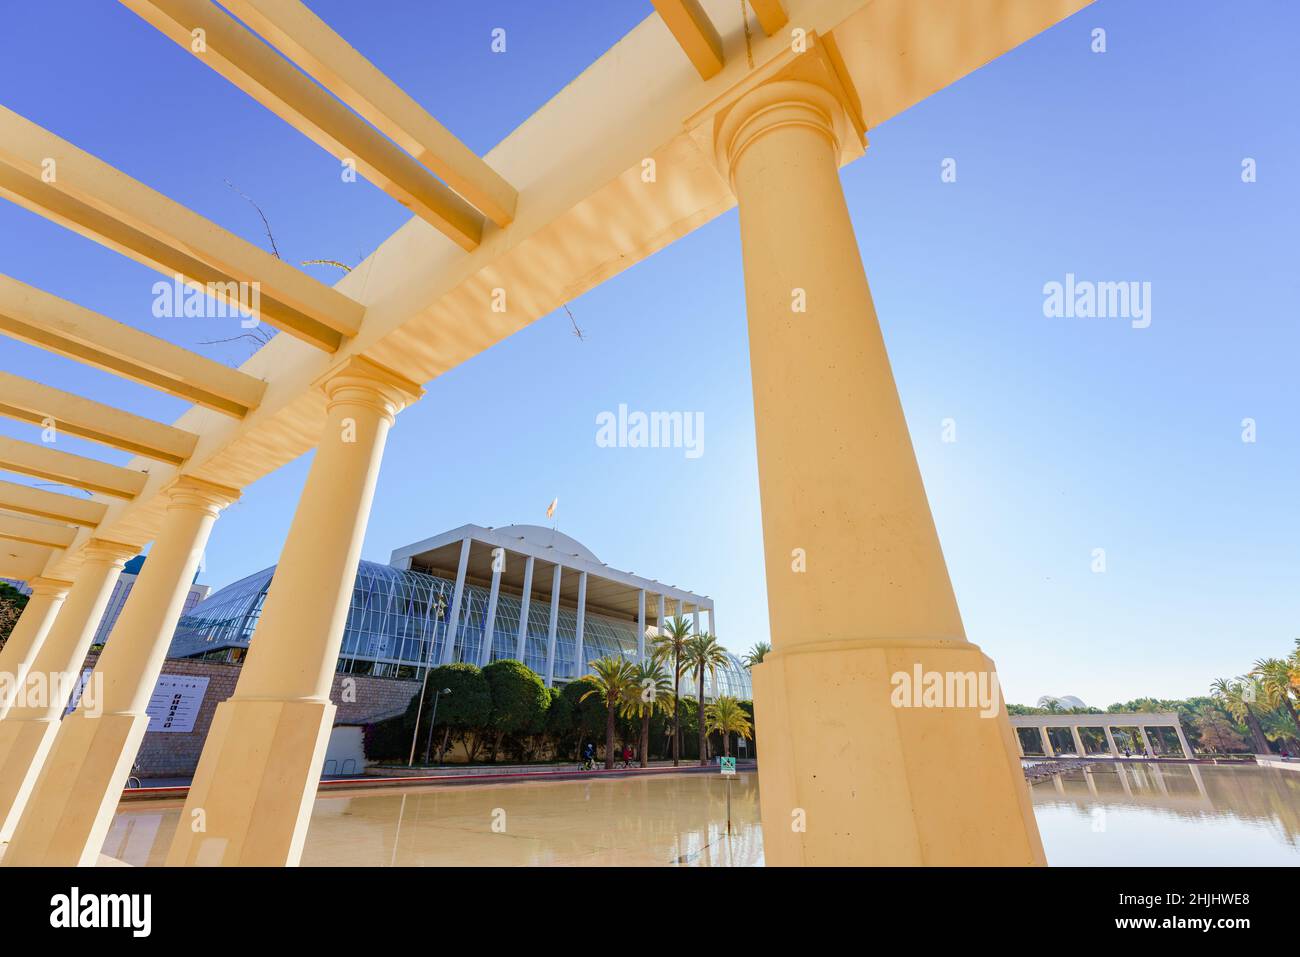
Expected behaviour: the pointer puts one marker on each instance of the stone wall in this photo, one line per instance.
(360, 699)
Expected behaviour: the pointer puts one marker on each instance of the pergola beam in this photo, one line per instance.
(694, 33)
(771, 15)
(51, 505)
(238, 55)
(33, 402)
(55, 179)
(56, 325)
(31, 532)
(308, 41)
(23, 561)
(75, 471)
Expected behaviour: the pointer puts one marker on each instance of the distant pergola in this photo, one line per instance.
(1107, 722)
(643, 147)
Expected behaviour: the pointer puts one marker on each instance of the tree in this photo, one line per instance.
(652, 692)
(1237, 697)
(613, 679)
(1274, 676)
(671, 640)
(518, 699)
(703, 653)
(1217, 732)
(560, 719)
(587, 713)
(756, 654)
(727, 716)
(748, 708)
(1280, 729)
(464, 711)
(12, 603)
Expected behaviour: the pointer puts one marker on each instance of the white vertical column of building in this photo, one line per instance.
(580, 658)
(453, 618)
(695, 620)
(1187, 748)
(490, 624)
(1047, 743)
(640, 625)
(29, 634)
(713, 621)
(1146, 742)
(554, 625)
(521, 640)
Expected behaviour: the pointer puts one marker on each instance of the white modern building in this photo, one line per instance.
(478, 594)
(122, 591)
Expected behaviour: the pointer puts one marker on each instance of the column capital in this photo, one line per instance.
(364, 381)
(775, 105)
(108, 552)
(190, 492)
(49, 587)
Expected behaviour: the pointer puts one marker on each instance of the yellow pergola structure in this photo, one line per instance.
(705, 105)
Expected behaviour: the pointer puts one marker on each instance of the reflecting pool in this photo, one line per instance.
(1132, 814)
(647, 820)
(1173, 814)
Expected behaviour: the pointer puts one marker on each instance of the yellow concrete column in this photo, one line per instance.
(28, 634)
(253, 790)
(72, 804)
(858, 591)
(28, 730)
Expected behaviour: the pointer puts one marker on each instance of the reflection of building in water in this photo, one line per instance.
(1252, 794)
(644, 820)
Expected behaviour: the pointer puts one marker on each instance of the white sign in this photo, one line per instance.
(175, 703)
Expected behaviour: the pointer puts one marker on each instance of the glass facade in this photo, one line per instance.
(396, 614)
(117, 601)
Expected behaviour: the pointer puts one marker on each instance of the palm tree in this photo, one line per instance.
(1274, 676)
(612, 676)
(756, 654)
(671, 640)
(1278, 729)
(726, 715)
(651, 691)
(703, 653)
(1235, 696)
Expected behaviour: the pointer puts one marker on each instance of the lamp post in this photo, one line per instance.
(433, 719)
(428, 664)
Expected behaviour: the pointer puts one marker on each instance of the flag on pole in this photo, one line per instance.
(550, 509)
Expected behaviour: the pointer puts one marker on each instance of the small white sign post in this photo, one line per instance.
(728, 768)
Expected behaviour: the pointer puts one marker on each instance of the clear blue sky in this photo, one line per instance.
(1072, 434)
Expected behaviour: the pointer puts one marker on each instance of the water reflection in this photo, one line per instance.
(1139, 814)
(1174, 814)
(663, 820)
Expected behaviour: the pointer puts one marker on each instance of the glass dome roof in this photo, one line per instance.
(397, 623)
